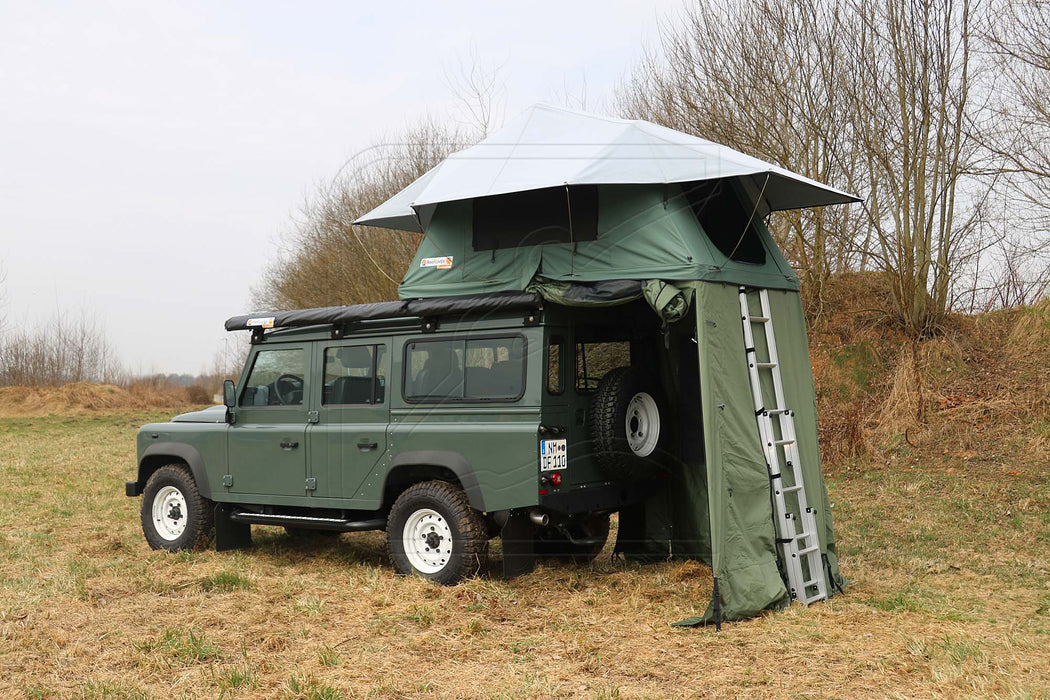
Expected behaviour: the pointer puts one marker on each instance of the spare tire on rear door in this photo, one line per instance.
(626, 426)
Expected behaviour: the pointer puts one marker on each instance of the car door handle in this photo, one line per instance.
(366, 445)
(289, 444)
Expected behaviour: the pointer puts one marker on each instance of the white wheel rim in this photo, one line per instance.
(428, 541)
(643, 424)
(169, 513)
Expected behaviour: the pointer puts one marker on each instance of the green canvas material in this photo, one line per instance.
(719, 511)
(800, 394)
(644, 232)
(742, 535)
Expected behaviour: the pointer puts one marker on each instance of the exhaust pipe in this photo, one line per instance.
(538, 517)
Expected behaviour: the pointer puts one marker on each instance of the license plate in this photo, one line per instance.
(553, 455)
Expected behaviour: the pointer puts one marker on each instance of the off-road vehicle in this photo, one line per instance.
(446, 421)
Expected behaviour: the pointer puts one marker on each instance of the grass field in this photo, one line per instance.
(948, 553)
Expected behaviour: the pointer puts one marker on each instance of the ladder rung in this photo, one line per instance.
(777, 411)
(785, 442)
(807, 550)
(792, 489)
(765, 365)
(814, 599)
(759, 319)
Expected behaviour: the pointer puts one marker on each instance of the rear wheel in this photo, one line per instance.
(175, 515)
(594, 528)
(432, 531)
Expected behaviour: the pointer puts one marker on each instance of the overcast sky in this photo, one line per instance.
(151, 153)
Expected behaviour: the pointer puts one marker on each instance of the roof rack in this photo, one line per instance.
(408, 308)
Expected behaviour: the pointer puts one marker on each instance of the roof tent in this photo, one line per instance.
(584, 210)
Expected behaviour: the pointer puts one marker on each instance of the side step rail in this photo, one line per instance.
(797, 533)
(305, 521)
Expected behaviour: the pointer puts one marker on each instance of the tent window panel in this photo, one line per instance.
(725, 219)
(536, 217)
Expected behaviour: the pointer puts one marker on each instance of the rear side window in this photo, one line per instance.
(475, 369)
(554, 379)
(276, 379)
(595, 360)
(354, 375)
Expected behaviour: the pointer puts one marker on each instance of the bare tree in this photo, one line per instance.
(325, 259)
(480, 91)
(761, 77)
(1019, 39)
(873, 96)
(911, 109)
(57, 352)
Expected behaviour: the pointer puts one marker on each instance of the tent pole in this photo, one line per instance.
(572, 238)
(717, 606)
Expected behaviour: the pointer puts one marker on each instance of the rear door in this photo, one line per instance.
(349, 438)
(267, 442)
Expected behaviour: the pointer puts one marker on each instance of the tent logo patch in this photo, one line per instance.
(442, 263)
(266, 322)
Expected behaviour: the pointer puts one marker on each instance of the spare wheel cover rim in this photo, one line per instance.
(642, 424)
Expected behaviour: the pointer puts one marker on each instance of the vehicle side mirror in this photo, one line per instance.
(229, 398)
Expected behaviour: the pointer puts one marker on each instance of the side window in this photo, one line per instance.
(555, 383)
(434, 370)
(354, 375)
(276, 379)
(495, 368)
(482, 369)
(595, 360)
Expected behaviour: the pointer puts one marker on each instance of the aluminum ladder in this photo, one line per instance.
(800, 546)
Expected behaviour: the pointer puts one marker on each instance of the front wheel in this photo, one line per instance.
(432, 531)
(175, 515)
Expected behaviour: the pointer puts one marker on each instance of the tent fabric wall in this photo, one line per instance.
(743, 558)
(793, 348)
(644, 232)
(718, 508)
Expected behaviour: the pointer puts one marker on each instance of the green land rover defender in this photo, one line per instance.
(445, 421)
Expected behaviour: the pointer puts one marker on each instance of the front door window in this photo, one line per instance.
(276, 379)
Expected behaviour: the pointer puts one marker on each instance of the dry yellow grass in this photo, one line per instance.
(84, 397)
(947, 553)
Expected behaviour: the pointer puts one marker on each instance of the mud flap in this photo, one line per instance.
(228, 534)
(519, 544)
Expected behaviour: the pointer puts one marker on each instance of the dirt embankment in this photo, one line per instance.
(83, 397)
(984, 377)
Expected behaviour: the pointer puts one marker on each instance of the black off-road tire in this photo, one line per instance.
(607, 425)
(440, 511)
(552, 544)
(173, 489)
